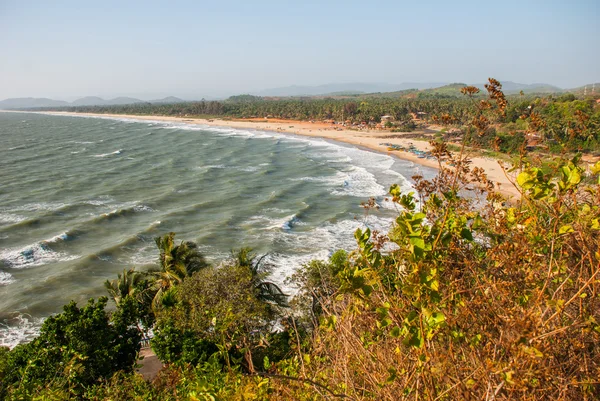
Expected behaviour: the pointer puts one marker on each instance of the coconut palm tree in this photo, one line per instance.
(125, 284)
(176, 263)
(267, 291)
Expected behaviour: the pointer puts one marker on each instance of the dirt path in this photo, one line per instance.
(150, 364)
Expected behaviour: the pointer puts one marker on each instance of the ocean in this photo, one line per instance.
(82, 198)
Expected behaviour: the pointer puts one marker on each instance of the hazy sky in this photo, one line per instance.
(65, 49)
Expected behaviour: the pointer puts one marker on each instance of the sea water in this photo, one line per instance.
(82, 199)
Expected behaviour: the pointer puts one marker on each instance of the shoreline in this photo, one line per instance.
(369, 139)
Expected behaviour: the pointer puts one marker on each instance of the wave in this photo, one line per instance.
(6, 278)
(7, 218)
(137, 249)
(269, 223)
(37, 254)
(100, 201)
(116, 152)
(19, 329)
(12, 221)
(123, 210)
(358, 182)
(317, 244)
(57, 238)
(34, 207)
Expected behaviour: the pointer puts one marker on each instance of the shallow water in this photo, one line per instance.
(83, 198)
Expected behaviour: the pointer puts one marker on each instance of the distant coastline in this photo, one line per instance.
(370, 139)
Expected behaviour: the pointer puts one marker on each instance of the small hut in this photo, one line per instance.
(386, 118)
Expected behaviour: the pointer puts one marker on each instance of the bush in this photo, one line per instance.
(217, 309)
(75, 349)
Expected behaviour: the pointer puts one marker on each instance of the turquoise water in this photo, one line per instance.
(83, 198)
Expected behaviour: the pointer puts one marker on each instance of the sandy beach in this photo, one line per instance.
(370, 139)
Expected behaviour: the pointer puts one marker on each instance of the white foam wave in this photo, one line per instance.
(6, 278)
(357, 181)
(21, 329)
(319, 243)
(142, 208)
(116, 152)
(284, 223)
(353, 181)
(330, 180)
(96, 202)
(7, 218)
(120, 207)
(57, 238)
(34, 207)
(143, 256)
(37, 254)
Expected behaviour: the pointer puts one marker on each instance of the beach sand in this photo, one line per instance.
(370, 139)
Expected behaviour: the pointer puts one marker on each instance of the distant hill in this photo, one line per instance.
(344, 93)
(89, 101)
(30, 102)
(356, 87)
(589, 89)
(124, 100)
(361, 88)
(514, 87)
(166, 100)
(446, 90)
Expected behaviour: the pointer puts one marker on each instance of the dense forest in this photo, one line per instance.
(465, 298)
(570, 122)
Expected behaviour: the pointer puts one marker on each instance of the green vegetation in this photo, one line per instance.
(465, 298)
(555, 124)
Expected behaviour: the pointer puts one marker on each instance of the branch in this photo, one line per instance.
(299, 379)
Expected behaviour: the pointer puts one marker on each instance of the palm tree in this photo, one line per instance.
(176, 263)
(267, 291)
(124, 285)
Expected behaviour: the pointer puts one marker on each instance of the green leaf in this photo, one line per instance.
(466, 234)
(393, 374)
(575, 177)
(524, 180)
(415, 338)
(565, 229)
(438, 317)
(419, 216)
(477, 223)
(417, 242)
(532, 351)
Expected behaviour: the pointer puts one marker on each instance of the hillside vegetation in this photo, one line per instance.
(464, 298)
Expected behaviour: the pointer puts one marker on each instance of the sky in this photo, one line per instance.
(66, 49)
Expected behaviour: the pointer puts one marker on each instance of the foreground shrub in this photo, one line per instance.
(216, 310)
(75, 349)
(479, 300)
